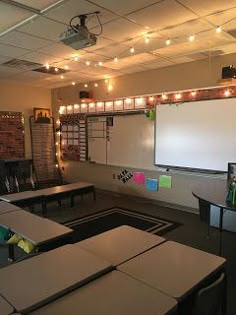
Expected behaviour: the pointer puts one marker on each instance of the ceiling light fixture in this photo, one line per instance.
(168, 41)
(191, 38)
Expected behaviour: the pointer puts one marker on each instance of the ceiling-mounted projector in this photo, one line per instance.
(78, 36)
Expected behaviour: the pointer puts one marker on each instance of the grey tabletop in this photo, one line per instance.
(115, 293)
(43, 278)
(21, 196)
(32, 227)
(173, 268)
(6, 207)
(120, 244)
(5, 308)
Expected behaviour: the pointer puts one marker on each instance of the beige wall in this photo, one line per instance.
(203, 73)
(23, 98)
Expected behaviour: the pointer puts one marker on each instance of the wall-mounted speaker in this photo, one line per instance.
(84, 94)
(228, 72)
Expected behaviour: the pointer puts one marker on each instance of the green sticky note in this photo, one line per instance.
(165, 181)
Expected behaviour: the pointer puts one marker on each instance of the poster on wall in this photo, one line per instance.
(42, 115)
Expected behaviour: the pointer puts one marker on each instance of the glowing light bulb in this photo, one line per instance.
(47, 66)
(227, 93)
(164, 96)
(147, 39)
(193, 93)
(132, 50)
(87, 63)
(116, 59)
(66, 67)
(191, 38)
(95, 84)
(100, 63)
(168, 41)
(62, 76)
(110, 87)
(76, 58)
(178, 96)
(56, 69)
(218, 29)
(86, 85)
(151, 98)
(73, 83)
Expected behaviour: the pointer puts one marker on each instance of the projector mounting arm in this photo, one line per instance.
(82, 18)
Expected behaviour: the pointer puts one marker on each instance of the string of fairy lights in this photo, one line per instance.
(146, 39)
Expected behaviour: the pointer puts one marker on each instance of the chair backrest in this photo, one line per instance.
(204, 211)
(210, 300)
(3, 170)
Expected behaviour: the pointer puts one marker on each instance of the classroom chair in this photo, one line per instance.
(211, 300)
(4, 181)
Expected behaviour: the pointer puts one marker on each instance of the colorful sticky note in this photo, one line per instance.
(165, 181)
(139, 178)
(152, 184)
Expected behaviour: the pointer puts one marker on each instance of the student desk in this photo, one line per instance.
(28, 198)
(120, 244)
(113, 294)
(215, 195)
(173, 268)
(6, 207)
(5, 308)
(31, 283)
(39, 231)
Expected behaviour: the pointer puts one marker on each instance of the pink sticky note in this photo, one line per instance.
(139, 178)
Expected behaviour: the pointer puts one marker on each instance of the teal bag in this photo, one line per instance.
(4, 234)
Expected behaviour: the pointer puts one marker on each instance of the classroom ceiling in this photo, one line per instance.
(158, 31)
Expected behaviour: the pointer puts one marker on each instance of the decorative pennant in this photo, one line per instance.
(152, 184)
(124, 176)
(139, 178)
(165, 181)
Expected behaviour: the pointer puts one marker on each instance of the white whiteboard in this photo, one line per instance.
(196, 134)
(129, 142)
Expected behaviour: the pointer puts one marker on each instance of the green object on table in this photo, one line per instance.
(4, 233)
(231, 196)
(165, 181)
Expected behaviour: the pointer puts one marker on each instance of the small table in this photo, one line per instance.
(120, 244)
(5, 308)
(114, 293)
(39, 231)
(6, 207)
(34, 282)
(173, 268)
(215, 195)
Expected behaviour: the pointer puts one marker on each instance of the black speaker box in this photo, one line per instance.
(228, 72)
(84, 94)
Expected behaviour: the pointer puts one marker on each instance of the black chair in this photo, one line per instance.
(204, 213)
(211, 300)
(4, 181)
(24, 174)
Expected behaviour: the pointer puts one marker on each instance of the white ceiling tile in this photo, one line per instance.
(159, 64)
(133, 70)
(114, 50)
(121, 29)
(131, 61)
(69, 9)
(44, 28)
(163, 14)
(101, 43)
(8, 72)
(23, 40)
(156, 41)
(10, 51)
(41, 58)
(4, 59)
(123, 6)
(206, 7)
(10, 16)
(225, 19)
(37, 4)
(59, 50)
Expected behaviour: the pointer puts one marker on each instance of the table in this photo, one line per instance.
(6, 207)
(28, 198)
(5, 308)
(173, 268)
(215, 195)
(39, 231)
(120, 244)
(32, 283)
(114, 293)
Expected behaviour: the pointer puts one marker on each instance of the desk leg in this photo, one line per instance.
(221, 228)
(44, 207)
(94, 194)
(224, 304)
(72, 201)
(11, 253)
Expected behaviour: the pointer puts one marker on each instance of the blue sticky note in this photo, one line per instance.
(152, 184)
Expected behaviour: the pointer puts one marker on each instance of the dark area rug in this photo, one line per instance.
(110, 218)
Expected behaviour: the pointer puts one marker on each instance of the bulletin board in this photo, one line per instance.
(121, 140)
